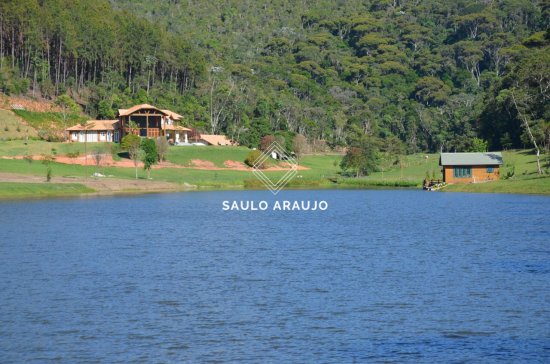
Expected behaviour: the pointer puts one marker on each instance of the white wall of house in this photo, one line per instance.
(91, 137)
(94, 136)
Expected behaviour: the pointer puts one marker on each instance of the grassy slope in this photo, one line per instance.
(11, 127)
(9, 190)
(48, 120)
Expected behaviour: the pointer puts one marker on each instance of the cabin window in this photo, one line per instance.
(489, 169)
(462, 172)
(103, 134)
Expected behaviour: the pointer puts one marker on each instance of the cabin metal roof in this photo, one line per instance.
(470, 159)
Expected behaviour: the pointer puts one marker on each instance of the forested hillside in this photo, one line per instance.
(410, 75)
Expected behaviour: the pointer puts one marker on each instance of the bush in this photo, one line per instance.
(49, 136)
(115, 148)
(252, 157)
(73, 154)
(28, 158)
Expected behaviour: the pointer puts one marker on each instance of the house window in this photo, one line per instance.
(102, 134)
(489, 169)
(462, 172)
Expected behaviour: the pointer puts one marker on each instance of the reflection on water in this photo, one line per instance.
(401, 276)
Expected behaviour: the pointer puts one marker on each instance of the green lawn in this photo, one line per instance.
(218, 155)
(320, 166)
(14, 190)
(405, 171)
(37, 147)
(533, 185)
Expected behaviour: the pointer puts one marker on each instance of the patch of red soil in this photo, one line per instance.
(284, 166)
(236, 165)
(200, 164)
(36, 105)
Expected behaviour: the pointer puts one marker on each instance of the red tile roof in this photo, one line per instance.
(216, 139)
(96, 125)
(133, 109)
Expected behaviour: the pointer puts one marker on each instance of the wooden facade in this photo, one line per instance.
(148, 121)
(470, 167)
(470, 174)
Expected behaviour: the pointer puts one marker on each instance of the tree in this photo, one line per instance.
(162, 147)
(469, 55)
(47, 160)
(362, 158)
(252, 157)
(98, 154)
(220, 96)
(299, 145)
(472, 25)
(104, 110)
(432, 91)
(478, 145)
(525, 121)
(132, 144)
(149, 156)
(86, 126)
(68, 106)
(266, 142)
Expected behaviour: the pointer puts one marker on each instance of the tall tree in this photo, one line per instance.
(149, 156)
(132, 144)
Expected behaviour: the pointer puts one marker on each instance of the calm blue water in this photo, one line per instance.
(381, 276)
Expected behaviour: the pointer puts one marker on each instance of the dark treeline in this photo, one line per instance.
(406, 75)
(55, 46)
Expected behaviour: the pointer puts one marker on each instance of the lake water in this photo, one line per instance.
(380, 276)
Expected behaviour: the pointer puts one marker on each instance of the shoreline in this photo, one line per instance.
(95, 188)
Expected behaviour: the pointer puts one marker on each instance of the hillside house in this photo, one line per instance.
(470, 167)
(151, 122)
(144, 120)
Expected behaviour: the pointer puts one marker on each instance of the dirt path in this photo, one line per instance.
(108, 161)
(105, 185)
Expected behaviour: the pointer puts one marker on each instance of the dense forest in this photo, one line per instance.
(409, 75)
